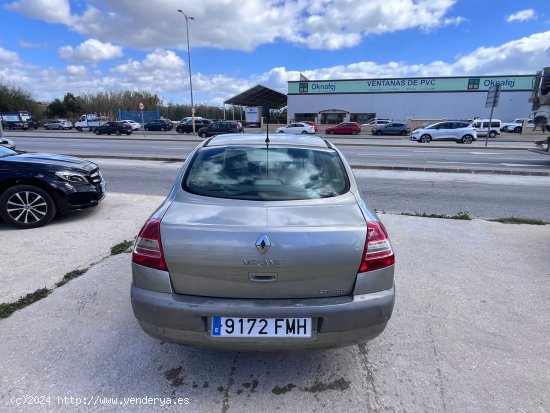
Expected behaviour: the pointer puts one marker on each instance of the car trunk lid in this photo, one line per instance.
(213, 247)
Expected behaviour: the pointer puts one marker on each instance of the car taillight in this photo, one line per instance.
(378, 252)
(148, 247)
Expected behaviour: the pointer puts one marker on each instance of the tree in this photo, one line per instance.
(56, 109)
(71, 105)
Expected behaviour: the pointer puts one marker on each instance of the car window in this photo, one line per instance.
(266, 174)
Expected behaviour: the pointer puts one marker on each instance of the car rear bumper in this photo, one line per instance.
(337, 321)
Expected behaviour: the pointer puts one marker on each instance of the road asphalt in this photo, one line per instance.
(470, 330)
(504, 142)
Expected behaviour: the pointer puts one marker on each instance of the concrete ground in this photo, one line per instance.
(470, 330)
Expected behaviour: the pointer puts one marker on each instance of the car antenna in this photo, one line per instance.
(267, 134)
(267, 145)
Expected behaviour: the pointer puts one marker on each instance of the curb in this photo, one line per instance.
(353, 166)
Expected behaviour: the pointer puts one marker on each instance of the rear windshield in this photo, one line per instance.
(262, 174)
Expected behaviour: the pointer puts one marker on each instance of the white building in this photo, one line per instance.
(400, 99)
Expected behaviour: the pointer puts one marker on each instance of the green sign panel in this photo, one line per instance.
(421, 84)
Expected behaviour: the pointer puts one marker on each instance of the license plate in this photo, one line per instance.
(261, 327)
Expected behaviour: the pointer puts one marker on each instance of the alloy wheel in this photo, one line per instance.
(27, 207)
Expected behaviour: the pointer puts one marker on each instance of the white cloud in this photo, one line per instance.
(91, 51)
(77, 70)
(521, 16)
(317, 24)
(7, 57)
(165, 73)
(30, 45)
(51, 11)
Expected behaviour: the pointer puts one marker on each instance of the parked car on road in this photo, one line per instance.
(111, 127)
(482, 127)
(133, 124)
(187, 127)
(263, 247)
(315, 129)
(59, 124)
(391, 129)
(34, 187)
(352, 128)
(296, 128)
(8, 143)
(158, 125)
(514, 126)
(457, 131)
(13, 121)
(518, 126)
(220, 128)
(376, 122)
(188, 118)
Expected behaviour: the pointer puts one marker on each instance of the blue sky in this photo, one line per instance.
(51, 47)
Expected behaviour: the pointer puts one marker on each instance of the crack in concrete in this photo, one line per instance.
(230, 382)
(371, 385)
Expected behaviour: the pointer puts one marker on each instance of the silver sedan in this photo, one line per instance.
(263, 244)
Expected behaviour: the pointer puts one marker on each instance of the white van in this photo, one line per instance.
(482, 127)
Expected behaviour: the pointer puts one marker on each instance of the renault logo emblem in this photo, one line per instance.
(263, 244)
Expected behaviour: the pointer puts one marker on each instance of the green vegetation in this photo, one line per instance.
(107, 104)
(461, 215)
(122, 247)
(14, 98)
(7, 309)
(518, 220)
(71, 276)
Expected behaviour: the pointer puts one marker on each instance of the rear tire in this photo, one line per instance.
(97, 132)
(304, 132)
(425, 139)
(492, 134)
(203, 135)
(331, 132)
(28, 203)
(403, 133)
(118, 133)
(354, 132)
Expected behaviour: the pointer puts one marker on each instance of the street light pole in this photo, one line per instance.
(187, 18)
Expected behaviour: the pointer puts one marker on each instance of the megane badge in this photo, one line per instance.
(263, 244)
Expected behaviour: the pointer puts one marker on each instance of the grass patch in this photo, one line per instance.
(7, 309)
(518, 220)
(461, 215)
(71, 276)
(121, 248)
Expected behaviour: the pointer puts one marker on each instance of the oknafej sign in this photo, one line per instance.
(421, 84)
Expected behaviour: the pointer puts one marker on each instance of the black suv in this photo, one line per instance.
(187, 127)
(221, 127)
(113, 127)
(36, 186)
(159, 124)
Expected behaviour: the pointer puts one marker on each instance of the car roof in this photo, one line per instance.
(244, 139)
